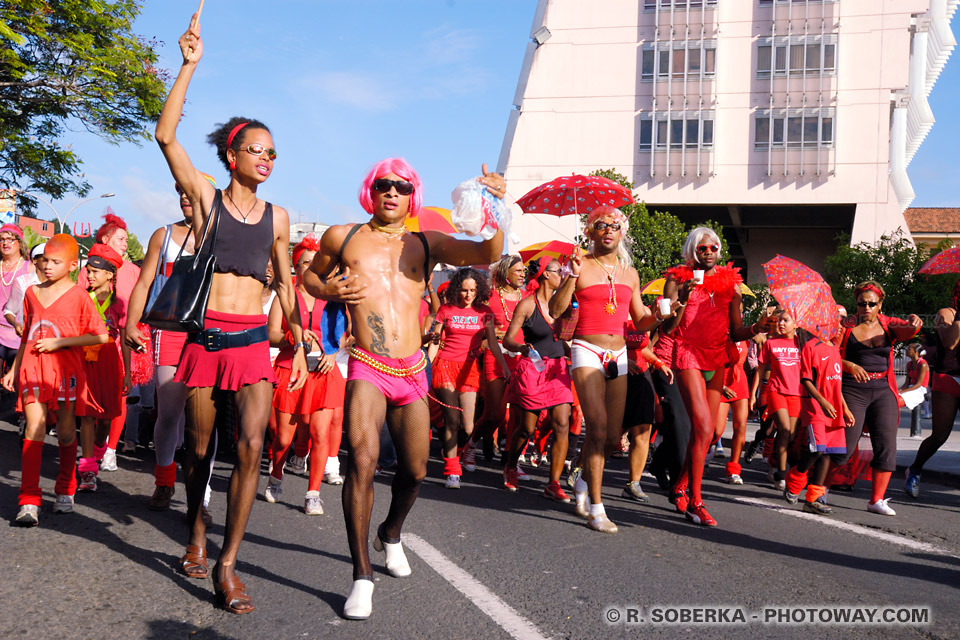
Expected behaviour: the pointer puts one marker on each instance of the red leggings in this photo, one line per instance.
(702, 400)
(318, 424)
(302, 448)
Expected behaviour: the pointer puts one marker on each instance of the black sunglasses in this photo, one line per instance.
(382, 185)
(868, 305)
(602, 226)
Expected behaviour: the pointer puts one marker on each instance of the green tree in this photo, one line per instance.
(134, 248)
(893, 262)
(32, 238)
(76, 62)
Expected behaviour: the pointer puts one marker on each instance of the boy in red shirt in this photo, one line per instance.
(820, 371)
(58, 319)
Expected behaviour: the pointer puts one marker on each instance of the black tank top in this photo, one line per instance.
(872, 359)
(244, 249)
(537, 332)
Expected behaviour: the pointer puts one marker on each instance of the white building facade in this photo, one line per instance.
(787, 121)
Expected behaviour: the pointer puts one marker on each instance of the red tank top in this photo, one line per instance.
(594, 318)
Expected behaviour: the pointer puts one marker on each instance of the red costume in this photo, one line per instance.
(702, 335)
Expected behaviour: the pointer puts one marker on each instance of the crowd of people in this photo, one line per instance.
(346, 336)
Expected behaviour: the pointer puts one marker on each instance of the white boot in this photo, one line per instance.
(395, 558)
(359, 604)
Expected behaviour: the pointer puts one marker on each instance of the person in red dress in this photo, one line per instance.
(506, 283)
(106, 366)
(58, 320)
(463, 322)
(736, 394)
(707, 318)
(607, 289)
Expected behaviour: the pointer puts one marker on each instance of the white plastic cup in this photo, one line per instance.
(664, 307)
(698, 275)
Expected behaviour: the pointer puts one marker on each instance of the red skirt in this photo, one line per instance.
(491, 367)
(105, 381)
(459, 376)
(739, 387)
(534, 390)
(336, 387)
(303, 401)
(227, 369)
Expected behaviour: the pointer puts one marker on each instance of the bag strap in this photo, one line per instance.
(167, 232)
(215, 215)
(426, 255)
(346, 239)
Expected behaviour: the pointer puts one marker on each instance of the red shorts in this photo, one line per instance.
(944, 383)
(777, 401)
(534, 390)
(167, 347)
(227, 369)
(739, 387)
(828, 439)
(459, 376)
(491, 367)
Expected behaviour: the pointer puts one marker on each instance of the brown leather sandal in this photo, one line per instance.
(194, 563)
(232, 595)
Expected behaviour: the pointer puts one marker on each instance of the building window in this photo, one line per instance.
(673, 60)
(806, 128)
(676, 131)
(813, 55)
(651, 5)
(44, 226)
(770, 2)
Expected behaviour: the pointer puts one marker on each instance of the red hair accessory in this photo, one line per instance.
(112, 222)
(871, 287)
(234, 132)
(309, 243)
(100, 253)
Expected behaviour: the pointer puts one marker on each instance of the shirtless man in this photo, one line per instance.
(383, 272)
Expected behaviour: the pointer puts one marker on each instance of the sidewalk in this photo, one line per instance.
(942, 468)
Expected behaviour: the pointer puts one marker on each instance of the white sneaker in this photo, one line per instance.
(109, 462)
(359, 604)
(296, 464)
(64, 504)
(312, 504)
(521, 476)
(453, 482)
(582, 506)
(734, 478)
(469, 458)
(274, 490)
(332, 477)
(28, 516)
(394, 557)
(88, 481)
(881, 507)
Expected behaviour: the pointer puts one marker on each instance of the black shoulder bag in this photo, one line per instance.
(181, 304)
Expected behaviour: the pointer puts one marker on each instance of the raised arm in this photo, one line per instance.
(463, 253)
(190, 180)
(903, 330)
(563, 296)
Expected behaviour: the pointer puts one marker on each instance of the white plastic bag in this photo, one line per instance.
(477, 212)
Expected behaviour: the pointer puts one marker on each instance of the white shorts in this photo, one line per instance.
(587, 354)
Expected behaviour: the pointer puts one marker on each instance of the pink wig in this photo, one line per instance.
(606, 210)
(400, 167)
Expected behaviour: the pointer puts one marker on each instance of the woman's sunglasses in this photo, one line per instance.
(602, 226)
(382, 185)
(258, 149)
(704, 248)
(868, 305)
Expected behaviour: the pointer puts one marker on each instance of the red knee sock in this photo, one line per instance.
(117, 425)
(734, 468)
(30, 472)
(67, 478)
(87, 465)
(98, 451)
(814, 491)
(880, 481)
(301, 446)
(768, 444)
(166, 476)
(796, 480)
(451, 467)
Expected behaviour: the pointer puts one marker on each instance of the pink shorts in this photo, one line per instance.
(227, 369)
(398, 390)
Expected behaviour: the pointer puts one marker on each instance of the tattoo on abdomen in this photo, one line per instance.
(378, 343)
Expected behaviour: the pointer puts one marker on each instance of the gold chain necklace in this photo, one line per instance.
(384, 229)
(611, 307)
(503, 303)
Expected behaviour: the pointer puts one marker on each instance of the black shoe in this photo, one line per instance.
(752, 451)
(663, 478)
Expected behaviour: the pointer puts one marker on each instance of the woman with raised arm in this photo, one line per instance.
(232, 353)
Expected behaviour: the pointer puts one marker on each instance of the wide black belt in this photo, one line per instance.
(216, 339)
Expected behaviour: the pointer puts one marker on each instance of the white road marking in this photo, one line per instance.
(484, 599)
(892, 538)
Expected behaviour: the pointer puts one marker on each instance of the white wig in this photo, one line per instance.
(694, 238)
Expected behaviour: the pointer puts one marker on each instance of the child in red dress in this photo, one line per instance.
(58, 319)
(108, 379)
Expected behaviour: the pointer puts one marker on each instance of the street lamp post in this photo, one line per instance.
(63, 221)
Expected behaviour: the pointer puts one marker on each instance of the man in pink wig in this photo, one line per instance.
(380, 270)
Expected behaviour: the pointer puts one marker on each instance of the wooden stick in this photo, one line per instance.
(199, 11)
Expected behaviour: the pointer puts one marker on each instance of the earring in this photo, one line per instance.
(233, 166)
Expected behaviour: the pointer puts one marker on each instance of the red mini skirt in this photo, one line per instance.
(227, 369)
(534, 390)
(167, 347)
(105, 381)
(458, 376)
(492, 369)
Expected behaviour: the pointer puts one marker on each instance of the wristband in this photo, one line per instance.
(304, 345)
(574, 275)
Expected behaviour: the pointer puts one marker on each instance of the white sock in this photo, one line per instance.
(206, 496)
(580, 486)
(597, 510)
(333, 465)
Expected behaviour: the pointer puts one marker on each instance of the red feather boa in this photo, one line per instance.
(723, 278)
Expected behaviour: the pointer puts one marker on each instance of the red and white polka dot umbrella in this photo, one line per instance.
(573, 195)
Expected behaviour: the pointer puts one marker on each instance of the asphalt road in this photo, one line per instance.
(524, 567)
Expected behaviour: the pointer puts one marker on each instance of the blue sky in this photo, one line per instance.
(344, 84)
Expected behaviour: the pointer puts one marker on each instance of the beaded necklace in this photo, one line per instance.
(611, 307)
(13, 274)
(503, 303)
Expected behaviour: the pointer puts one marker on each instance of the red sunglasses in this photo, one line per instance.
(712, 248)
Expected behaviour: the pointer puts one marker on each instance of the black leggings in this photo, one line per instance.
(874, 406)
(675, 428)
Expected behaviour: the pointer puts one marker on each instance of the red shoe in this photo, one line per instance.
(680, 500)
(510, 479)
(698, 514)
(554, 492)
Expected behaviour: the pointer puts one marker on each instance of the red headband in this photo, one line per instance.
(542, 264)
(871, 287)
(234, 132)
